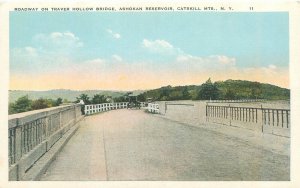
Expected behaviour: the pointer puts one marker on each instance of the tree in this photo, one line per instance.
(120, 99)
(229, 95)
(208, 91)
(58, 101)
(66, 101)
(256, 91)
(185, 94)
(174, 95)
(83, 97)
(98, 99)
(11, 108)
(141, 97)
(23, 104)
(40, 104)
(165, 93)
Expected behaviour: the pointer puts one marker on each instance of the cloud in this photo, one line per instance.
(160, 46)
(49, 51)
(60, 70)
(272, 66)
(23, 58)
(117, 58)
(181, 60)
(222, 59)
(58, 41)
(212, 61)
(24, 54)
(113, 34)
(30, 51)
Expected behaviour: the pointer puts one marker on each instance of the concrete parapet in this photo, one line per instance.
(271, 119)
(33, 134)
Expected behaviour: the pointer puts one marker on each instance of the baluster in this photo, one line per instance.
(14, 145)
(26, 138)
(269, 118)
(273, 117)
(282, 118)
(265, 117)
(277, 118)
(287, 119)
(256, 115)
(10, 147)
(246, 114)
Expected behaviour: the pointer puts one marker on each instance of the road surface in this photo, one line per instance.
(134, 145)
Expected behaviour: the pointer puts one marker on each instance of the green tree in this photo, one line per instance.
(23, 104)
(174, 95)
(185, 94)
(165, 93)
(208, 91)
(256, 90)
(40, 104)
(11, 108)
(58, 101)
(83, 97)
(120, 99)
(229, 94)
(141, 97)
(66, 101)
(98, 99)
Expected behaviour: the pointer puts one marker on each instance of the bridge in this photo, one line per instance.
(173, 140)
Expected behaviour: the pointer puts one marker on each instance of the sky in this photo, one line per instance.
(145, 50)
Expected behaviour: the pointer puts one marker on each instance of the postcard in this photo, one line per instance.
(149, 94)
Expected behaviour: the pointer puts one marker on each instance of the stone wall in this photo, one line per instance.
(32, 134)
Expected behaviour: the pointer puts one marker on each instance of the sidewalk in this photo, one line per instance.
(273, 143)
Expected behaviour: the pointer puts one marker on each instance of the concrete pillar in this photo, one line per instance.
(18, 143)
(60, 119)
(260, 122)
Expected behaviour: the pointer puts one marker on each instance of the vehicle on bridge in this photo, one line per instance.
(133, 102)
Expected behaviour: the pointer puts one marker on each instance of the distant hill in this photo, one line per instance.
(229, 89)
(248, 89)
(70, 95)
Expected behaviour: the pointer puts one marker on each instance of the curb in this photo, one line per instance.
(40, 167)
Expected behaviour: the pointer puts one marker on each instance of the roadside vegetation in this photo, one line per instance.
(24, 104)
(221, 90)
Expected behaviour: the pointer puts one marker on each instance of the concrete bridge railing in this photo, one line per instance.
(96, 108)
(272, 117)
(32, 134)
(153, 108)
(237, 101)
(266, 120)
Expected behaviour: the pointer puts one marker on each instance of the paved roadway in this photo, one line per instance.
(134, 145)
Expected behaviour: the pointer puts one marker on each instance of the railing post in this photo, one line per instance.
(230, 115)
(18, 141)
(206, 113)
(60, 119)
(165, 108)
(262, 119)
(74, 113)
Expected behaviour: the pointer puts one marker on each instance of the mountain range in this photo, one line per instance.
(69, 95)
(229, 89)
